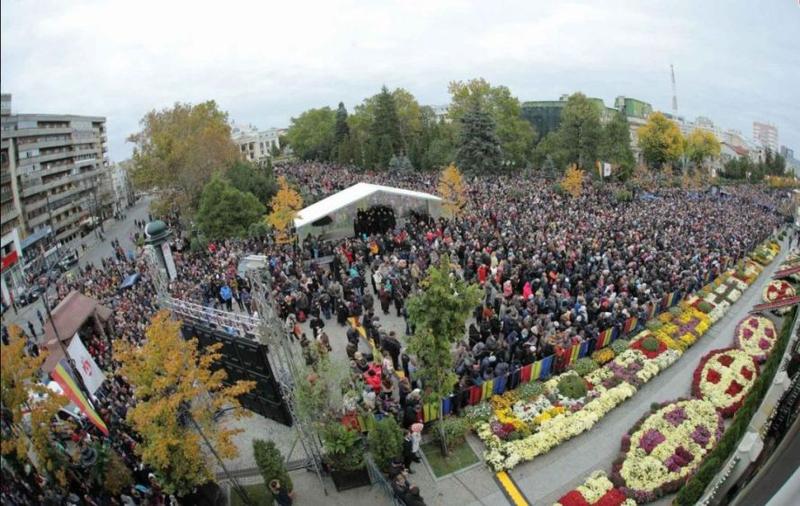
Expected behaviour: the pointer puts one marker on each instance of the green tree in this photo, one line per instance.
(660, 140)
(311, 135)
(227, 212)
(259, 181)
(179, 149)
(172, 381)
(580, 131)
(341, 129)
(701, 145)
(516, 135)
(271, 464)
(385, 135)
(385, 441)
(615, 145)
(479, 149)
(439, 314)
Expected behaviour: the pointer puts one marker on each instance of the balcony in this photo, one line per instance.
(42, 131)
(33, 188)
(9, 213)
(47, 143)
(6, 196)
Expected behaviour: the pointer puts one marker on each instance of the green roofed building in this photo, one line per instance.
(545, 115)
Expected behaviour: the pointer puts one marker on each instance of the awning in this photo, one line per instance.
(35, 237)
(68, 317)
(129, 281)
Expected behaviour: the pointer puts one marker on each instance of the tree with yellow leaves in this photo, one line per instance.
(172, 382)
(572, 182)
(451, 189)
(28, 409)
(285, 205)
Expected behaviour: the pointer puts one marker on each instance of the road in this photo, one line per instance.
(95, 251)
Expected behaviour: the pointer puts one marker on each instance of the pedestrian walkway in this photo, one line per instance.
(547, 478)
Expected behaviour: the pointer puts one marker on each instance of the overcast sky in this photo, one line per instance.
(736, 60)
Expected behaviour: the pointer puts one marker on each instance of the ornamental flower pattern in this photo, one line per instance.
(756, 336)
(597, 490)
(723, 378)
(665, 447)
(777, 290)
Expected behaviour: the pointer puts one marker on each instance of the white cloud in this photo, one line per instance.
(267, 61)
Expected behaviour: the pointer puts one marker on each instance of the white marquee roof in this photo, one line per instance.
(350, 196)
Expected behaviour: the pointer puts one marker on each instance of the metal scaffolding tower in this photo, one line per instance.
(284, 365)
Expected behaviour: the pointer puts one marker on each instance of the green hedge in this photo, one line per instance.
(712, 465)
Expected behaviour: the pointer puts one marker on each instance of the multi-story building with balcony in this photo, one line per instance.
(53, 168)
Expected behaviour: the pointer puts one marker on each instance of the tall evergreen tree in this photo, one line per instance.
(478, 147)
(385, 130)
(342, 129)
(615, 145)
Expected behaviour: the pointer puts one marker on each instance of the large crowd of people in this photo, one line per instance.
(554, 270)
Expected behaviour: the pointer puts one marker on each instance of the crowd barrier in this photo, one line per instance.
(538, 371)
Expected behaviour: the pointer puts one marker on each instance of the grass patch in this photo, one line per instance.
(258, 494)
(460, 457)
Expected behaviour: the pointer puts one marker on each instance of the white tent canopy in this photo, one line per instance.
(340, 209)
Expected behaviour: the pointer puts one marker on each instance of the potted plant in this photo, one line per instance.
(344, 454)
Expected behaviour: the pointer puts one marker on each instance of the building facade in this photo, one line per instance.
(766, 134)
(255, 145)
(53, 173)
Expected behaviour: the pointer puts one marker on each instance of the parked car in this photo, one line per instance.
(68, 261)
(29, 295)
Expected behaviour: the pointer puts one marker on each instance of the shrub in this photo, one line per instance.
(620, 345)
(705, 307)
(572, 386)
(623, 196)
(675, 311)
(529, 390)
(584, 366)
(270, 463)
(385, 441)
(653, 325)
(453, 429)
(650, 343)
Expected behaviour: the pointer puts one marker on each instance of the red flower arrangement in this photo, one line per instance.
(723, 378)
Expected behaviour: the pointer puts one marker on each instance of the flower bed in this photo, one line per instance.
(522, 428)
(682, 331)
(665, 447)
(756, 336)
(597, 490)
(723, 378)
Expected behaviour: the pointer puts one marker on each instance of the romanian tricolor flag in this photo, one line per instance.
(72, 391)
(604, 338)
(630, 324)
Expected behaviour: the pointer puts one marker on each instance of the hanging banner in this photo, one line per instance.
(92, 376)
(72, 391)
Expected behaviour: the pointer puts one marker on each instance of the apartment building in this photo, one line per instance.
(53, 173)
(766, 134)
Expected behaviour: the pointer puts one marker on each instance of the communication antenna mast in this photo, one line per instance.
(674, 91)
